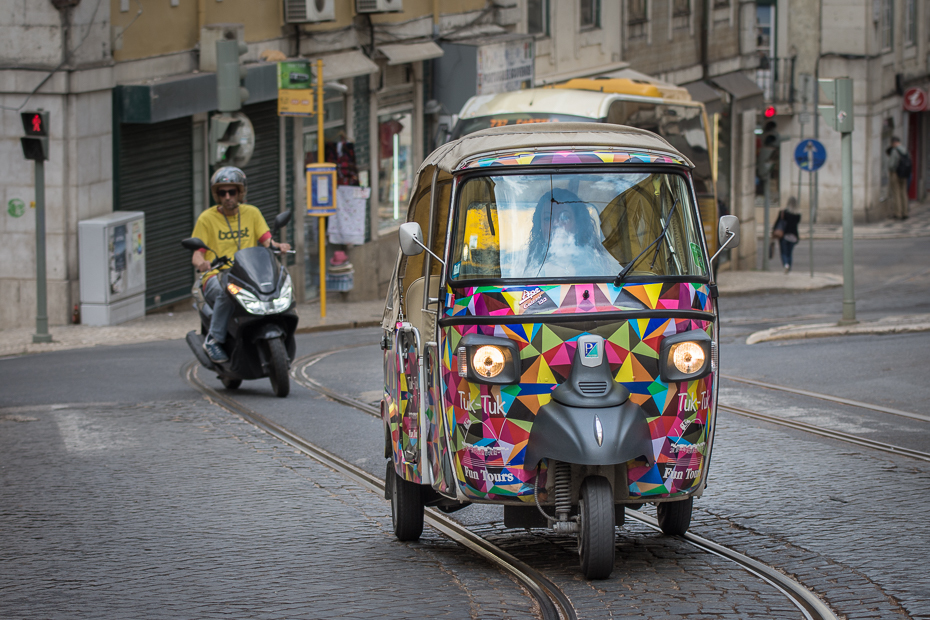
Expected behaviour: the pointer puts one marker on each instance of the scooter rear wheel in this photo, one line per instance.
(231, 384)
(675, 517)
(596, 539)
(406, 507)
(280, 381)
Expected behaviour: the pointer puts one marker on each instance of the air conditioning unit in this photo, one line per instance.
(305, 11)
(379, 6)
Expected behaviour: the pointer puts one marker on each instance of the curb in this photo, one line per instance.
(337, 326)
(890, 325)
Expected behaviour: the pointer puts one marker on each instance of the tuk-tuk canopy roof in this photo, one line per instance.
(567, 136)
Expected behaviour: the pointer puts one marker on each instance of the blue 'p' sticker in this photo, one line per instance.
(590, 349)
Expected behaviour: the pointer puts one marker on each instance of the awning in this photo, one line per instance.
(403, 53)
(709, 96)
(345, 65)
(746, 94)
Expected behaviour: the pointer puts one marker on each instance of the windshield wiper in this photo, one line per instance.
(620, 276)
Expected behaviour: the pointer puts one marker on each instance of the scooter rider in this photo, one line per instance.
(227, 227)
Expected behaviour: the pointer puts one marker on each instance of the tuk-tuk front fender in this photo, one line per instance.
(570, 435)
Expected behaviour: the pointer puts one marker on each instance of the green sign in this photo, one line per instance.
(16, 207)
(294, 74)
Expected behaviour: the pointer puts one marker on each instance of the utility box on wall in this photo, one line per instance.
(112, 259)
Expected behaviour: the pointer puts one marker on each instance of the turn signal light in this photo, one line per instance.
(232, 288)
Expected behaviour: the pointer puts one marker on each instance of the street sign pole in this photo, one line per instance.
(321, 158)
(767, 193)
(41, 334)
(810, 219)
(849, 294)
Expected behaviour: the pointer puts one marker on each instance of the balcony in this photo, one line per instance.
(775, 76)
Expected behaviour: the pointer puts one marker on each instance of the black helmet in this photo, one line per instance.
(228, 175)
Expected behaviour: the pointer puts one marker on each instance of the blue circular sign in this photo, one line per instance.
(810, 155)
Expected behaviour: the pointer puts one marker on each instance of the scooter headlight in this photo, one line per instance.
(247, 300)
(283, 302)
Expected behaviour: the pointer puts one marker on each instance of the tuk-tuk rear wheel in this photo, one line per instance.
(596, 538)
(406, 508)
(675, 517)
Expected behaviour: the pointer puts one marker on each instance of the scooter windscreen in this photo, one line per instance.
(257, 267)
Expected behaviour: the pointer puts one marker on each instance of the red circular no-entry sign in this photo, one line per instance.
(915, 100)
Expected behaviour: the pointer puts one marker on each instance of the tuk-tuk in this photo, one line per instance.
(554, 348)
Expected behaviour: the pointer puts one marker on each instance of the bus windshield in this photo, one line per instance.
(533, 226)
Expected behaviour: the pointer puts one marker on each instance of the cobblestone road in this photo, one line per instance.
(181, 510)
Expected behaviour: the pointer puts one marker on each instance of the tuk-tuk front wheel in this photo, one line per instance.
(596, 538)
(675, 517)
(406, 507)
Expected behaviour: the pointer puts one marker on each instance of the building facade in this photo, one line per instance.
(883, 46)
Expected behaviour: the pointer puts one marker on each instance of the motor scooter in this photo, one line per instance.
(260, 333)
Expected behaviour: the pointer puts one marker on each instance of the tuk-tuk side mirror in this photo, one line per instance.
(727, 234)
(280, 221)
(411, 239)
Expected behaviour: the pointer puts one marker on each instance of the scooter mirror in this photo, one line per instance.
(411, 239)
(729, 224)
(280, 221)
(193, 244)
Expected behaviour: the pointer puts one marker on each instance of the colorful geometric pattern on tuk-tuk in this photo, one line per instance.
(506, 301)
(492, 423)
(404, 431)
(572, 157)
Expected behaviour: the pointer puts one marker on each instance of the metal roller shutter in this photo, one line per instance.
(156, 176)
(262, 171)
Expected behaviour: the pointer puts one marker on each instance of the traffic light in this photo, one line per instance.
(230, 75)
(232, 139)
(35, 144)
(765, 161)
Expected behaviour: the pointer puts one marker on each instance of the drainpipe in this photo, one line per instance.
(705, 20)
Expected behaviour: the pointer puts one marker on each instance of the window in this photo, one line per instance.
(887, 24)
(637, 18)
(590, 13)
(395, 177)
(537, 17)
(721, 4)
(681, 14)
(574, 225)
(910, 22)
(765, 28)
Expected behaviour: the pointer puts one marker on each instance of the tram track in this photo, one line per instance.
(553, 604)
(811, 607)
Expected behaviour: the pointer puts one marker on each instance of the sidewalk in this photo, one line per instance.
(917, 225)
(175, 325)
(888, 325)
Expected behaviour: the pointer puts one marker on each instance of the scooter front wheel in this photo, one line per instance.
(280, 381)
(596, 544)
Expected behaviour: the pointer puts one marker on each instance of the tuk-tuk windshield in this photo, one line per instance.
(526, 226)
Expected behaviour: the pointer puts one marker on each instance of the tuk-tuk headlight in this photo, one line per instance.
(688, 357)
(685, 356)
(488, 359)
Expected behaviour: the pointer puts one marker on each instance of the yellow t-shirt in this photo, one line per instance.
(227, 235)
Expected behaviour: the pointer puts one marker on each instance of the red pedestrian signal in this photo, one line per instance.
(769, 112)
(35, 144)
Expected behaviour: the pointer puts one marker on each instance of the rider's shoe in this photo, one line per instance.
(215, 350)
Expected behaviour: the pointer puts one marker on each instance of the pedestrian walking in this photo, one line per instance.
(785, 231)
(899, 171)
